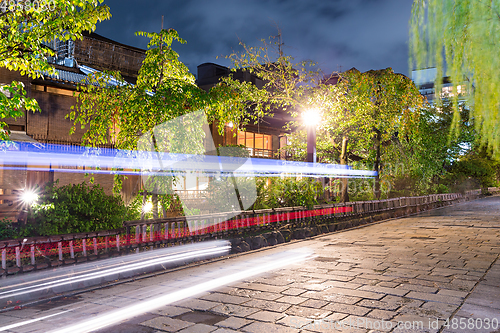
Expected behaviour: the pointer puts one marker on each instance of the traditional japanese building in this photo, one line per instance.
(263, 139)
(55, 94)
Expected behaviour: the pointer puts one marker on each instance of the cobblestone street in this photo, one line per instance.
(403, 275)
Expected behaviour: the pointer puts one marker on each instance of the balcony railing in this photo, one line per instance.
(262, 153)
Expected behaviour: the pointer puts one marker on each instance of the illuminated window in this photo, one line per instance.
(448, 91)
(255, 140)
(258, 144)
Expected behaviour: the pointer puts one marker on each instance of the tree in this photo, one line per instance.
(165, 89)
(287, 85)
(25, 27)
(340, 140)
(113, 110)
(467, 33)
(369, 112)
(419, 161)
(382, 106)
(473, 170)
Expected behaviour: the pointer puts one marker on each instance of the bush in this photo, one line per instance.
(76, 208)
(166, 202)
(7, 231)
(287, 192)
(471, 172)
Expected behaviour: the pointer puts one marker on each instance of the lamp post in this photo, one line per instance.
(311, 144)
(28, 198)
(311, 118)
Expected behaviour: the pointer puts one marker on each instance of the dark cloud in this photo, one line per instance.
(366, 34)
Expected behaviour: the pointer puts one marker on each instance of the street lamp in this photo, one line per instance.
(29, 197)
(311, 118)
(147, 207)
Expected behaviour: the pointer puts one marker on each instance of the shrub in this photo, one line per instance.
(472, 171)
(7, 231)
(76, 208)
(287, 192)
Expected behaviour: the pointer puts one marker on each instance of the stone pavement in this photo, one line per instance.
(405, 275)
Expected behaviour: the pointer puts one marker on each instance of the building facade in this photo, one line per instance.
(55, 94)
(263, 139)
(425, 80)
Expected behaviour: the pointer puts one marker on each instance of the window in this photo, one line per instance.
(259, 144)
(448, 91)
(54, 90)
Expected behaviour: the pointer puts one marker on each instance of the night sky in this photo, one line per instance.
(337, 34)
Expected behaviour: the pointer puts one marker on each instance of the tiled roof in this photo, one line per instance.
(65, 76)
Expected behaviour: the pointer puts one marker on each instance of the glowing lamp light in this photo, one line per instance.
(29, 197)
(311, 117)
(147, 207)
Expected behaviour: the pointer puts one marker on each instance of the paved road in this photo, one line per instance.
(406, 275)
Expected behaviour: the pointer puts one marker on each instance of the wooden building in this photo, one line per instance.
(55, 96)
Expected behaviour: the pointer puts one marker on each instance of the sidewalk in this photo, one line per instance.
(405, 275)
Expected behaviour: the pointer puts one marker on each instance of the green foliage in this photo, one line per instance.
(376, 107)
(76, 208)
(24, 28)
(476, 169)
(271, 192)
(282, 83)
(219, 192)
(165, 89)
(11, 107)
(134, 209)
(287, 192)
(360, 189)
(233, 150)
(418, 161)
(466, 33)
(167, 202)
(7, 231)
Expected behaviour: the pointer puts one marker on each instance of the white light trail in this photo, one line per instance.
(114, 317)
(27, 322)
(211, 251)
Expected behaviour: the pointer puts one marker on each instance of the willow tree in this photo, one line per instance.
(462, 37)
(25, 27)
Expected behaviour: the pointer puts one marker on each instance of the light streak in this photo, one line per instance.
(221, 248)
(111, 161)
(27, 322)
(114, 317)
